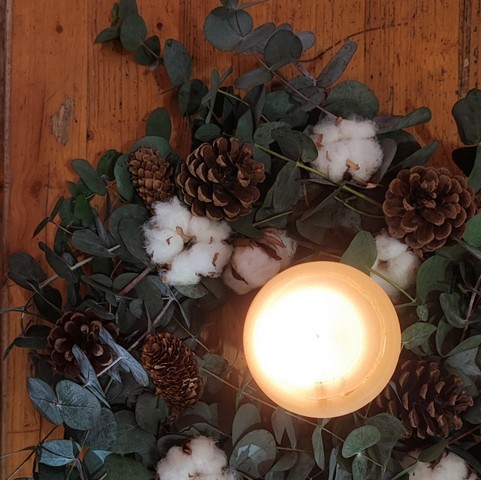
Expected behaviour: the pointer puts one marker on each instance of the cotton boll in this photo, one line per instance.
(450, 467)
(388, 247)
(182, 271)
(209, 259)
(205, 229)
(176, 465)
(338, 153)
(366, 154)
(357, 128)
(171, 214)
(289, 250)
(207, 457)
(321, 163)
(162, 245)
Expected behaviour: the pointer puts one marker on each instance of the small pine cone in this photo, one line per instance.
(152, 176)
(174, 370)
(427, 208)
(218, 179)
(426, 399)
(81, 329)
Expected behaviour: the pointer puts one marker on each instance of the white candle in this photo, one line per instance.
(322, 339)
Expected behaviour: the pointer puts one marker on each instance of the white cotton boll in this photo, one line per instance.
(357, 129)
(388, 247)
(321, 163)
(162, 245)
(171, 214)
(209, 259)
(288, 251)
(366, 154)
(450, 467)
(253, 265)
(182, 271)
(205, 229)
(176, 465)
(207, 457)
(328, 129)
(402, 269)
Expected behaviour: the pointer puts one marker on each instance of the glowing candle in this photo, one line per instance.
(322, 339)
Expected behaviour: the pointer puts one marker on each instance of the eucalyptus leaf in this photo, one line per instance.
(24, 270)
(283, 47)
(283, 422)
(434, 452)
(133, 32)
(263, 133)
(361, 253)
(245, 127)
(208, 132)
(45, 400)
(246, 417)
(253, 78)
(318, 447)
(151, 411)
(122, 177)
(257, 36)
(149, 52)
(34, 338)
(419, 157)
(57, 453)
(466, 114)
(391, 123)
(108, 34)
(474, 179)
(58, 264)
(308, 39)
(89, 176)
(190, 98)
(106, 163)
(131, 235)
(178, 62)
(126, 468)
(360, 439)
(465, 363)
(302, 468)
(88, 242)
(431, 277)
(337, 64)
(126, 8)
(159, 124)
(352, 97)
(470, 343)
(390, 427)
(417, 334)
(450, 304)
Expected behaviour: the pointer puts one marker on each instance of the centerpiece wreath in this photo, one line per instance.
(282, 170)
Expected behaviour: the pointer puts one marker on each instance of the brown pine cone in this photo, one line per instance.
(174, 370)
(427, 208)
(152, 176)
(428, 400)
(81, 329)
(218, 179)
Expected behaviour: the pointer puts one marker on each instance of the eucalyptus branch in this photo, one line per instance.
(273, 217)
(357, 210)
(240, 100)
(132, 284)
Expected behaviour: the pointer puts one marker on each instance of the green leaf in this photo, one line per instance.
(417, 334)
(419, 157)
(390, 427)
(246, 417)
(40, 226)
(133, 32)
(434, 452)
(303, 467)
(283, 422)
(431, 277)
(80, 409)
(391, 123)
(126, 468)
(450, 303)
(45, 400)
(337, 64)
(225, 28)
(148, 52)
(89, 176)
(295, 145)
(190, 96)
(35, 338)
(208, 132)
(287, 188)
(178, 62)
(466, 113)
(468, 344)
(104, 433)
(122, 177)
(256, 37)
(151, 411)
(253, 78)
(465, 362)
(359, 440)
(352, 97)
(25, 271)
(157, 143)
(159, 124)
(255, 453)
(108, 34)
(361, 252)
(83, 210)
(245, 127)
(474, 179)
(88, 242)
(318, 447)
(58, 264)
(131, 234)
(126, 8)
(263, 134)
(58, 453)
(282, 48)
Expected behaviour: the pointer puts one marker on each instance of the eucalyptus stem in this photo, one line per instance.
(394, 284)
(132, 284)
(273, 217)
(240, 100)
(357, 210)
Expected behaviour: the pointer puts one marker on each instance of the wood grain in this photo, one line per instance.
(69, 98)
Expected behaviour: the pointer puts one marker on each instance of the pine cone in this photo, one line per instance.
(173, 369)
(219, 180)
(152, 176)
(426, 399)
(81, 329)
(427, 208)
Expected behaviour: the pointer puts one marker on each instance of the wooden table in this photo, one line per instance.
(67, 98)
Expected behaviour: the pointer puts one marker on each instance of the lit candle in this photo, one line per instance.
(322, 339)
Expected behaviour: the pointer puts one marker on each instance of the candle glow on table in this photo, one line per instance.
(322, 339)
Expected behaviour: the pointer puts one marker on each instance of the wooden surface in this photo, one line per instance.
(69, 98)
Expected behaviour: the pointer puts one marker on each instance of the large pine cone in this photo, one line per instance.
(173, 369)
(427, 208)
(219, 180)
(152, 176)
(81, 329)
(427, 400)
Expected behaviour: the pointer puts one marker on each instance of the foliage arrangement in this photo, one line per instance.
(287, 166)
